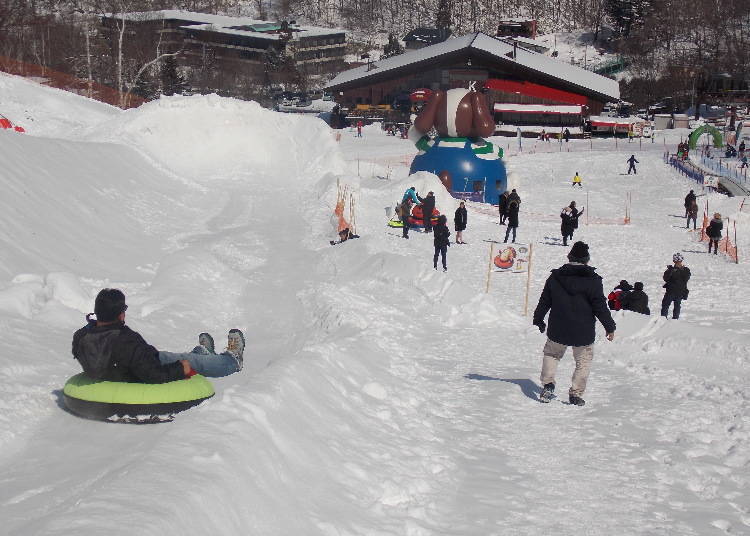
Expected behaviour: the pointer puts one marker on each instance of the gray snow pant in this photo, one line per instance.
(583, 356)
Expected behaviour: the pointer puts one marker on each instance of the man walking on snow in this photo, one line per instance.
(632, 162)
(574, 296)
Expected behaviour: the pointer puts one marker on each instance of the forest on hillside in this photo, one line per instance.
(673, 47)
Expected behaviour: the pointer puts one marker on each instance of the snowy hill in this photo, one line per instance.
(378, 395)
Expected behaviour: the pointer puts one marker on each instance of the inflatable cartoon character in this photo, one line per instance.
(464, 161)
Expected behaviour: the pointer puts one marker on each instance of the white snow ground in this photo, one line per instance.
(379, 397)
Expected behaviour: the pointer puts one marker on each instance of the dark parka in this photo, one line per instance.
(512, 214)
(689, 198)
(460, 218)
(117, 353)
(441, 233)
(637, 301)
(714, 229)
(675, 281)
(574, 296)
(428, 205)
(502, 205)
(568, 223)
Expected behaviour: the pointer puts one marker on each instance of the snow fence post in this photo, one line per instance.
(489, 270)
(528, 280)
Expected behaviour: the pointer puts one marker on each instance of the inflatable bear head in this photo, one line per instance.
(456, 113)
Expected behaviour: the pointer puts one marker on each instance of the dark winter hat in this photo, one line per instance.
(110, 302)
(638, 285)
(579, 253)
(624, 285)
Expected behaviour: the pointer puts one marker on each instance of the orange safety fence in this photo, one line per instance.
(726, 245)
(67, 82)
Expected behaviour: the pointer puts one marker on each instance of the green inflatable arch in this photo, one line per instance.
(104, 399)
(698, 132)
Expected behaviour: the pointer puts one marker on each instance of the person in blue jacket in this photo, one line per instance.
(574, 297)
(411, 192)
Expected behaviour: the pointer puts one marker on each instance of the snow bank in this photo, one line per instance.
(47, 111)
(211, 136)
(85, 208)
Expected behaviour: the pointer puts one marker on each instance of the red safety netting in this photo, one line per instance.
(67, 82)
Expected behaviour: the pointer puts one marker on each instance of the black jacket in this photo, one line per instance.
(714, 229)
(428, 204)
(574, 296)
(576, 215)
(512, 214)
(440, 234)
(514, 197)
(502, 205)
(676, 281)
(689, 198)
(637, 301)
(633, 161)
(117, 353)
(460, 218)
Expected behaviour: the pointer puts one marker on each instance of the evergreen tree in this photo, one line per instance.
(443, 18)
(172, 81)
(393, 48)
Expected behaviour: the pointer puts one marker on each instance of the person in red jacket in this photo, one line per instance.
(107, 349)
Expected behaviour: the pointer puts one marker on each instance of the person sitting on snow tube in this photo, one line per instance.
(109, 350)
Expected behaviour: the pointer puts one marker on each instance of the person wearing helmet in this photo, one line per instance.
(675, 283)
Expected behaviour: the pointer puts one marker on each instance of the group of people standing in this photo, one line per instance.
(441, 233)
(569, 223)
(509, 206)
(574, 298)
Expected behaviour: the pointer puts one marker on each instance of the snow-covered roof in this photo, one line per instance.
(606, 121)
(224, 24)
(538, 108)
(529, 41)
(497, 48)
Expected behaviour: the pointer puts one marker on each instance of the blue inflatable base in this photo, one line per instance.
(471, 177)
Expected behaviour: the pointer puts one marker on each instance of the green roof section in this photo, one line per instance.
(267, 27)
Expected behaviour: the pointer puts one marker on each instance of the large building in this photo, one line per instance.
(522, 86)
(238, 44)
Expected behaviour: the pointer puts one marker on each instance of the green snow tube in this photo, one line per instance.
(133, 402)
(395, 223)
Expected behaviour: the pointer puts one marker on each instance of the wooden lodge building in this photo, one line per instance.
(234, 46)
(523, 87)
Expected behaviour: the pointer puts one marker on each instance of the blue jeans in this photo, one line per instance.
(211, 365)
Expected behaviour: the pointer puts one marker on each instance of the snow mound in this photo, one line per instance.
(49, 112)
(425, 182)
(212, 136)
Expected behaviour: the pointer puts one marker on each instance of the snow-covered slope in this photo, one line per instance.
(47, 111)
(378, 396)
